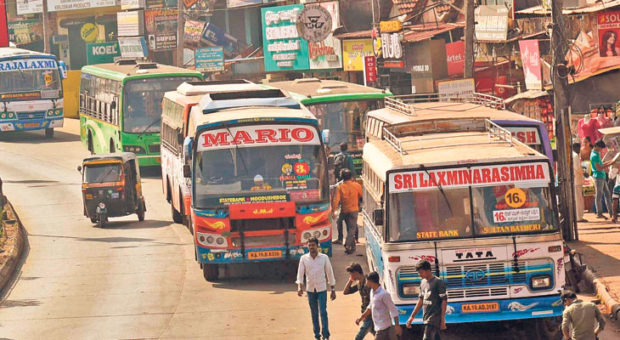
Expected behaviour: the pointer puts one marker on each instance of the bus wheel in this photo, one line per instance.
(177, 217)
(210, 272)
(548, 328)
(190, 226)
(49, 132)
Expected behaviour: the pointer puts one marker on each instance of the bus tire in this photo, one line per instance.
(210, 272)
(548, 328)
(49, 132)
(177, 217)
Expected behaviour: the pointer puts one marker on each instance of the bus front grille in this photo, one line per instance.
(477, 292)
(262, 224)
(261, 241)
(30, 115)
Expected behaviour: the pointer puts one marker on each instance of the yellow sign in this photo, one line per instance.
(264, 254)
(390, 26)
(480, 307)
(89, 32)
(353, 53)
(515, 198)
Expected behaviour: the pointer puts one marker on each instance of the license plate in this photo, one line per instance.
(32, 125)
(480, 307)
(264, 254)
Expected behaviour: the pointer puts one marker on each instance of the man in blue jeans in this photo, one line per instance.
(600, 179)
(318, 271)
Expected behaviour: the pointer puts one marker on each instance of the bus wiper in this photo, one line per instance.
(247, 173)
(149, 126)
(443, 193)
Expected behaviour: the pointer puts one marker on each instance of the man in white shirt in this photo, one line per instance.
(578, 173)
(383, 311)
(319, 272)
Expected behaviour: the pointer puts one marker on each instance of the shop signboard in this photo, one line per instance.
(314, 23)
(68, 5)
(132, 4)
(283, 48)
(130, 24)
(4, 25)
(327, 53)
(390, 26)
(354, 52)
(210, 59)
(491, 23)
(23, 32)
(530, 56)
(215, 36)
(391, 47)
(29, 6)
(161, 28)
(133, 47)
(370, 69)
(460, 88)
(455, 58)
(608, 34)
(192, 31)
(101, 53)
(161, 4)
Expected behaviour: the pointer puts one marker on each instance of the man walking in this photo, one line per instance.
(348, 196)
(585, 320)
(343, 160)
(357, 283)
(433, 297)
(383, 311)
(600, 183)
(318, 271)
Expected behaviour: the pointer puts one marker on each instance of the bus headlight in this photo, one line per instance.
(540, 282)
(133, 148)
(410, 289)
(12, 115)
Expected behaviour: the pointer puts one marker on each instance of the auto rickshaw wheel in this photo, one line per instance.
(140, 212)
(210, 272)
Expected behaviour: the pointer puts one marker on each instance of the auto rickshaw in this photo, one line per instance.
(111, 187)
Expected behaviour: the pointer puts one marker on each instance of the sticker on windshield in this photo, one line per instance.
(517, 215)
(511, 229)
(515, 198)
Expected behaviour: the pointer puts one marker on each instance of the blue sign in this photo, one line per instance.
(216, 36)
(210, 59)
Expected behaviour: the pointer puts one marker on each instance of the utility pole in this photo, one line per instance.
(180, 33)
(46, 28)
(470, 24)
(562, 114)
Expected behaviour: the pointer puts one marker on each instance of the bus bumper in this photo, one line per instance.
(498, 310)
(222, 256)
(31, 124)
(154, 160)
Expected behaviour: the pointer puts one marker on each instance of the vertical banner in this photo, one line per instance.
(370, 69)
(4, 25)
(455, 55)
(530, 56)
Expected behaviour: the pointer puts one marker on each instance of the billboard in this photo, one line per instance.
(283, 48)
(353, 53)
(327, 53)
(161, 28)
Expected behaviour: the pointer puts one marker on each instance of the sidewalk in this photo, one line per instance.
(599, 242)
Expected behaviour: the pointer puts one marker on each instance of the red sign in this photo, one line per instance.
(370, 67)
(455, 53)
(532, 69)
(4, 26)
(258, 135)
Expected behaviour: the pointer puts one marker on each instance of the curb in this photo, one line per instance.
(14, 253)
(602, 292)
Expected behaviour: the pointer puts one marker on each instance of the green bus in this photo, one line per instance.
(120, 106)
(340, 107)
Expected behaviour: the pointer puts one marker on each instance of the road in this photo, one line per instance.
(139, 280)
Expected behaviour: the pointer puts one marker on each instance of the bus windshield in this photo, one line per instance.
(143, 97)
(344, 120)
(292, 172)
(30, 84)
(102, 173)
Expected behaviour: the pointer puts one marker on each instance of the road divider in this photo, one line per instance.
(13, 241)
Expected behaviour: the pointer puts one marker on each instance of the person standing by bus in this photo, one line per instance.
(348, 196)
(435, 300)
(318, 271)
(601, 188)
(357, 283)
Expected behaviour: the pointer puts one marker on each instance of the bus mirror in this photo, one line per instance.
(62, 69)
(187, 172)
(187, 149)
(325, 136)
(377, 216)
(79, 168)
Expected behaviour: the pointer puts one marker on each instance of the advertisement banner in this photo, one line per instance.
(130, 24)
(132, 4)
(455, 54)
(608, 32)
(391, 48)
(4, 25)
(284, 50)
(215, 36)
(101, 53)
(532, 69)
(491, 23)
(29, 6)
(161, 28)
(353, 53)
(132, 47)
(327, 54)
(23, 32)
(192, 31)
(258, 135)
(67, 5)
(210, 59)
(525, 174)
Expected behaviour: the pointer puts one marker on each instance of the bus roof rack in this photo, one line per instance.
(216, 101)
(125, 61)
(195, 88)
(146, 66)
(405, 103)
(394, 134)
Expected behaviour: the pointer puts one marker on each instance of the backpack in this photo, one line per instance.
(340, 162)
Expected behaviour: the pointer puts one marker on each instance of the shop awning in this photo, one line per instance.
(529, 94)
(416, 33)
(590, 8)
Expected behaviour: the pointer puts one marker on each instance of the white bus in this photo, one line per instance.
(476, 203)
(30, 91)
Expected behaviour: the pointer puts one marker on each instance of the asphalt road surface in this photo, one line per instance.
(139, 279)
